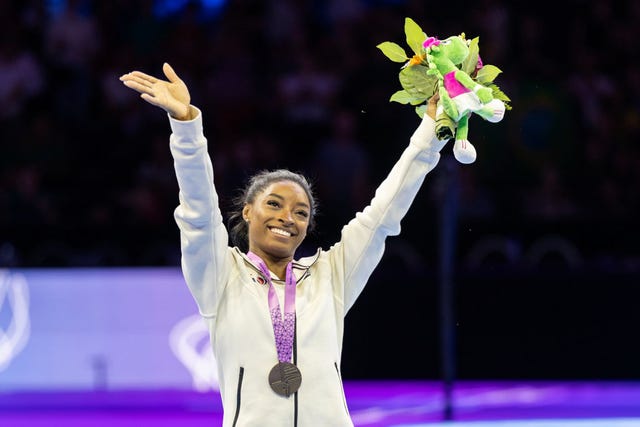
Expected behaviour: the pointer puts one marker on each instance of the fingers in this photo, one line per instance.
(139, 81)
(137, 85)
(171, 75)
(140, 77)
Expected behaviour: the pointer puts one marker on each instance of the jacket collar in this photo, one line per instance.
(300, 267)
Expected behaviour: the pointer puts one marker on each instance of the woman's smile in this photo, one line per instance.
(280, 232)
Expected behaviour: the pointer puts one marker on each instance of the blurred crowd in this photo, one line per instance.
(86, 177)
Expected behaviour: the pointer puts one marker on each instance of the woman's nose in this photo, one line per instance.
(286, 218)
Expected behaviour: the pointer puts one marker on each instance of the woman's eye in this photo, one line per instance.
(304, 214)
(273, 203)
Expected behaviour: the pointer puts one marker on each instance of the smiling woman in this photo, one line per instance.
(276, 323)
(286, 201)
(278, 221)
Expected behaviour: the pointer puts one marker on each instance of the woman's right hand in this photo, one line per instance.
(172, 95)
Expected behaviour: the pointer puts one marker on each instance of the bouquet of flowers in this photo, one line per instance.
(451, 67)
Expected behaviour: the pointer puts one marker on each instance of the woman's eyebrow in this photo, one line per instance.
(277, 196)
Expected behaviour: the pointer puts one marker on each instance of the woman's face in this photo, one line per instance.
(278, 220)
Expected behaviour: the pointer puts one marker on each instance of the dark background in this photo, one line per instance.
(545, 263)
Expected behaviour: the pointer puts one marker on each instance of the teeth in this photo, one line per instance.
(281, 232)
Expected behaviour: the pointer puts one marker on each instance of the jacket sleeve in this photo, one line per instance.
(362, 240)
(203, 237)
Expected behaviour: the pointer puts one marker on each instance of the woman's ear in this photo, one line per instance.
(246, 212)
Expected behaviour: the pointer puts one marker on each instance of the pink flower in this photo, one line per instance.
(431, 41)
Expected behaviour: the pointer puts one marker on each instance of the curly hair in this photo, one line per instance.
(238, 228)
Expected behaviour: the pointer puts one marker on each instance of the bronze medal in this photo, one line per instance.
(285, 378)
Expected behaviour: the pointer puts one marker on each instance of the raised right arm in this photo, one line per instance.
(203, 237)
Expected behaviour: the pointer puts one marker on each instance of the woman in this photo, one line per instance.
(274, 368)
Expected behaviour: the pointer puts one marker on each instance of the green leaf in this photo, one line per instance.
(421, 110)
(393, 51)
(471, 61)
(415, 80)
(487, 74)
(404, 97)
(499, 94)
(415, 35)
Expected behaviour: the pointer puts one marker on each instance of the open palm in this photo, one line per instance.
(172, 95)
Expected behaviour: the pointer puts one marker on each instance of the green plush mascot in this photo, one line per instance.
(452, 68)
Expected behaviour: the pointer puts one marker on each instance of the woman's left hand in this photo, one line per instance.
(432, 105)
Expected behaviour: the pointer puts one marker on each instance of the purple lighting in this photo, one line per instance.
(371, 403)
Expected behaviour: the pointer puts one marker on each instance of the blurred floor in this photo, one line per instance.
(372, 404)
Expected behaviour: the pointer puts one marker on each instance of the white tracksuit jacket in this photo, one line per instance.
(225, 286)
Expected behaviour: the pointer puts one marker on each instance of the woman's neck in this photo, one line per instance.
(276, 265)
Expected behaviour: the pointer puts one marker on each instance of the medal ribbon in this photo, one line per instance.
(283, 326)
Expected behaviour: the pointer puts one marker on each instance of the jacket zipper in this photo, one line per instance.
(238, 400)
(344, 402)
(295, 353)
